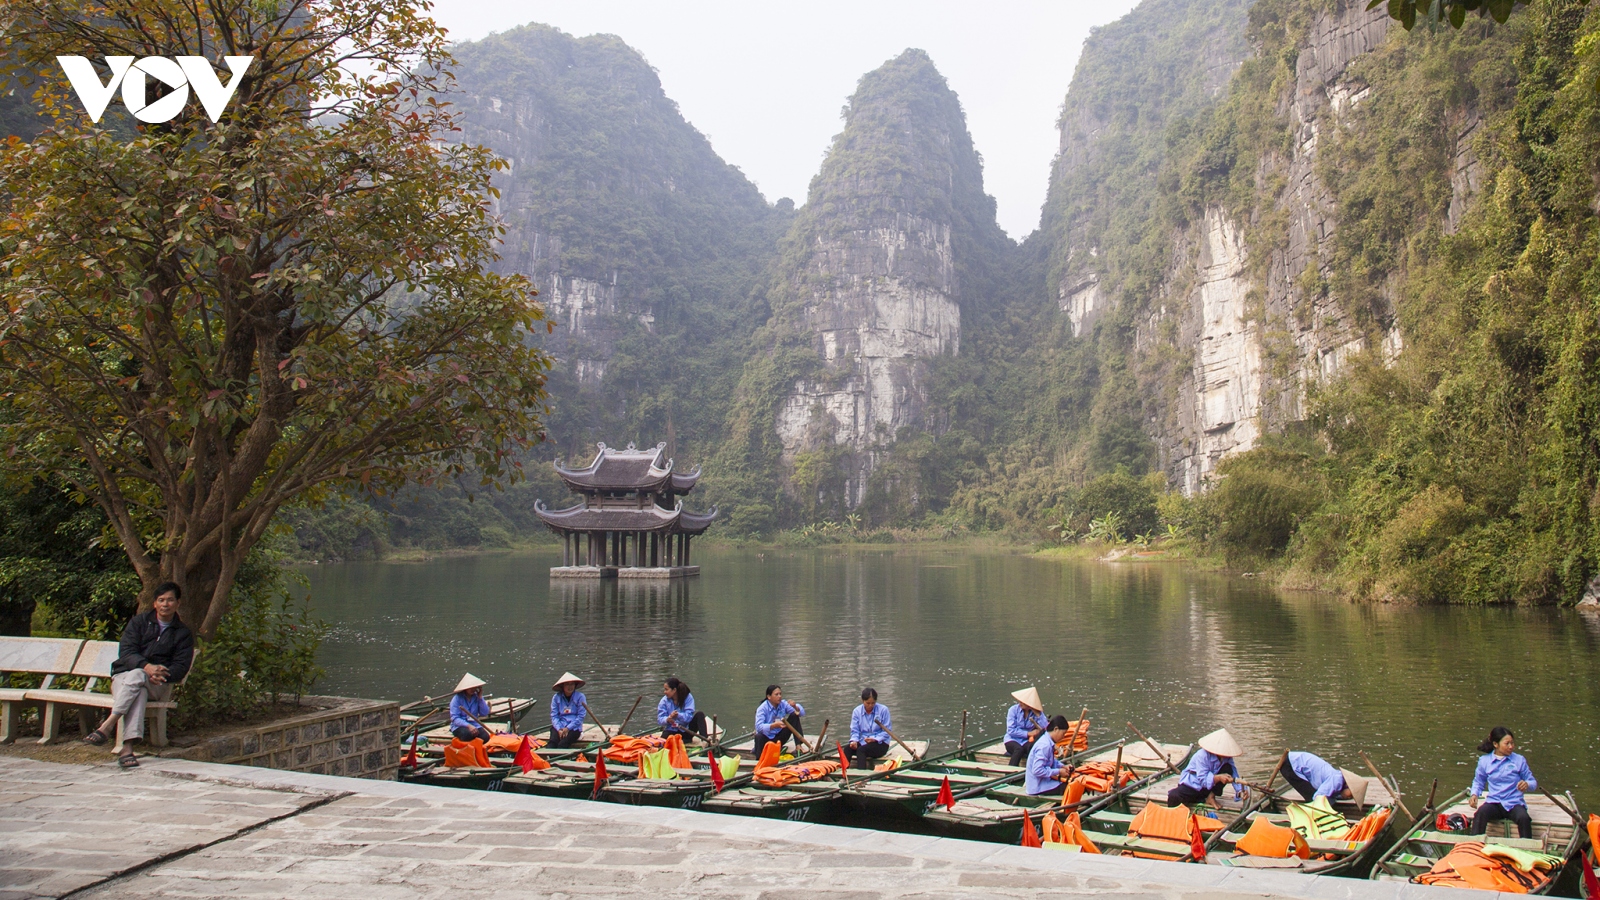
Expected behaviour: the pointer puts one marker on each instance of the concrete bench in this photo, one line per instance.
(94, 665)
(49, 657)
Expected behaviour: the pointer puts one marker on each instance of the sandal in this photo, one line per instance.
(128, 760)
(96, 738)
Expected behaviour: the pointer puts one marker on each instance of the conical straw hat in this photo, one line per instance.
(1357, 785)
(1029, 697)
(566, 677)
(468, 682)
(1220, 743)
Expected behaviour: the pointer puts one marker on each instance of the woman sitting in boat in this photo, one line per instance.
(773, 715)
(1208, 770)
(1024, 723)
(676, 713)
(468, 709)
(1313, 777)
(869, 731)
(567, 709)
(1044, 770)
(1502, 777)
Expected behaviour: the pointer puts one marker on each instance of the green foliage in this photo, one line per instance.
(53, 553)
(1261, 498)
(1131, 501)
(265, 650)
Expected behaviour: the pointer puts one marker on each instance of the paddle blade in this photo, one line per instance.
(525, 756)
(1197, 844)
(1030, 834)
(947, 798)
(1591, 884)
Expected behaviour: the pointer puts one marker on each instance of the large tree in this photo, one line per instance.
(207, 320)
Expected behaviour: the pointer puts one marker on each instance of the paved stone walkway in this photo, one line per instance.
(182, 829)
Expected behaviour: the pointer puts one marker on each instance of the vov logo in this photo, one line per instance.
(179, 73)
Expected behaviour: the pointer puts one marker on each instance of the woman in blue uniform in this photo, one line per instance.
(1025, 721)
(676, 713)
(468, 709)
(773, 715)
(1501, 779)
(869, 731)
(1044, 770)
(567, 709)
(1208, 770)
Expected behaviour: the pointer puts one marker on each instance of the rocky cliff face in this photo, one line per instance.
(632, 228)
(874, 279)
(1262, 333)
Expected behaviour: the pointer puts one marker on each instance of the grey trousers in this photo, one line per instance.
(130, 692)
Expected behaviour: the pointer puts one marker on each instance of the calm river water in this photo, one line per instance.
(937, 630)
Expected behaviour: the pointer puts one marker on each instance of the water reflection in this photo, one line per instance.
(936, 631)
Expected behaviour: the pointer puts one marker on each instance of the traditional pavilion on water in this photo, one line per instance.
(631, 523)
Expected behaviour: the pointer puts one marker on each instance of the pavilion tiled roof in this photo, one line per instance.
(616, 518)
(632, 469)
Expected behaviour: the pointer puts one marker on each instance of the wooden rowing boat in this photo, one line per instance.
(995, 813)
(476, 778)
(1328, 857)
(1422, 844)
(689, 788)
(1107, 822)
(911, 791)
(807, 801)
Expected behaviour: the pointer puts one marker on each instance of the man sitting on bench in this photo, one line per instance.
(156, 651)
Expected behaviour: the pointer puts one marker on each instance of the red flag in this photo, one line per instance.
(1197, 844)
(599, 773)
(411, 758)
(1591, 884)
(1030, 834)
(844, 761)
(716, 776)
(525, 756)
(948, 799)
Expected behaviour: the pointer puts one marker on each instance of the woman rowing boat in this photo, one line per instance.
(1501, 778)
(869, 731)
(676, 713)
(775, 718)
(567, 708)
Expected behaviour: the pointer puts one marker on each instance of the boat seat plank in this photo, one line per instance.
(1457, 837)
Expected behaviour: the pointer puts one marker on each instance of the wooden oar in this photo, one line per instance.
(1116, 768)
(417, 725)
(797, 735)
(897, 740)
(1561, 806)
(1072, 739)
(596, 719)
(824, 733)
(624, 729)
(416, 704)
(1274, 776)
(963, 743)
(1385, 782)
(1433, 791)
(1152, 745)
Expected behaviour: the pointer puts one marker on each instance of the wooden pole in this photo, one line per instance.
(1116, 768)
(1385, 782)
(798, 736)
(417, 725)
(963, 743)
(1274, 776)
(1435, 790)
(1561, 806)
(824, 733)
(624, 728)
(416, 703)
(1072, 739)
(897, 740)
(1152, 745)
(596, 719)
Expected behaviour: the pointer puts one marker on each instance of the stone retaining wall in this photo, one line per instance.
(347, 736)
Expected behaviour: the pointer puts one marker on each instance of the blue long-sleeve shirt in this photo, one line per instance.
(672, 718)
(1204, 767)
(566, 713)
(1497, 776)
(462, 706)
(1020, 721)
(1325, 779)
(1044, 769)
(870, 726)
(769, 718)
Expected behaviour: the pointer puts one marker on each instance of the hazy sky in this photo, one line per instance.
(766, 82)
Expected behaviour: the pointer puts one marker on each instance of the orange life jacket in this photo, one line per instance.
(1272, 841)
(1168, 827)
(1467, 866)
(508, 743)
(1594, 837)
(1068, 831)
(1370, 826)
(465, 753)
(775, 776)
(1097, 776)
(677, 756)
(626, 749)
(1081, 742)
(769, 756)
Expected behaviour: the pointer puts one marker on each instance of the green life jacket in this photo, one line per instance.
(1317, 821)
(657, 765)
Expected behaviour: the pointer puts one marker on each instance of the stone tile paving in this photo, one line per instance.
(339, 838)
(63, 827)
